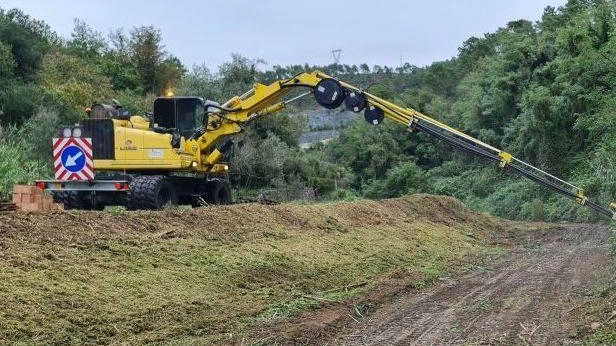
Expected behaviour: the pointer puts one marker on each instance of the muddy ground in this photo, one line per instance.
(530, 297)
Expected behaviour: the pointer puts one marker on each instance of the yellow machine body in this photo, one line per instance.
(138, 147)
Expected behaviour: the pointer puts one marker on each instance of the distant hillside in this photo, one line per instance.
(325, 124)
(328, 119)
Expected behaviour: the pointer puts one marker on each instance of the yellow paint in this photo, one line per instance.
(581, 197)
(137, 147)
(506, 159)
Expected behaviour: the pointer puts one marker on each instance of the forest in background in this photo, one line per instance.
(544, 91)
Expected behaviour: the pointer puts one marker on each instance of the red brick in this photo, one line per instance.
(24, 189)
(26, 198)
(29, 206)
(17, 198)
(47, 204)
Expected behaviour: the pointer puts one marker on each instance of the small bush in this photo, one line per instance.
(38, 131)
(403, 179)
(344, 195)
(18, 102)
(25, 153)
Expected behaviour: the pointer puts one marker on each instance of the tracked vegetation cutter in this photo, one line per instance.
(173, 155)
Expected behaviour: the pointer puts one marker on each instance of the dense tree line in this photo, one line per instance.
(543, 91)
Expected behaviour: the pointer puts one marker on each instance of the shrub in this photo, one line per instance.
(402, 179)
(18, 102)
(344, 195)
(25, 153)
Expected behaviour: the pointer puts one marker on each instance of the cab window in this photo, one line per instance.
(184, 114)
(190, 114)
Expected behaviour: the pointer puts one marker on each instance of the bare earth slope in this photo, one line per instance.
(528, 298)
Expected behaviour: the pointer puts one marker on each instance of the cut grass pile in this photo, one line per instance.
(214, 275)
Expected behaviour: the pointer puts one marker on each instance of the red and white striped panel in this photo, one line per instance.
(61, 173)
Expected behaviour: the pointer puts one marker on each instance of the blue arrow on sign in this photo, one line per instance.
(73, 159)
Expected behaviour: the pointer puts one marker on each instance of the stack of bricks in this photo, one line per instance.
(28, 197)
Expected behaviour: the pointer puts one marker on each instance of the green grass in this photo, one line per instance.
(208, 276)
(17, 168)
(288, 309)
(603, 337)
(483, 304)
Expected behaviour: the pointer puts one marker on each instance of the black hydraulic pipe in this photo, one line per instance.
(458, 143)
(600, 209)
(469, 147)
(543, 181)
(563, 191)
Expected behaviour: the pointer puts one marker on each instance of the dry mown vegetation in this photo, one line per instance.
(222, 274)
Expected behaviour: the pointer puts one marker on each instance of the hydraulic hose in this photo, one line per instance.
(480, 152)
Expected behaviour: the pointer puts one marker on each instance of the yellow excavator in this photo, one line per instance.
(173, 155)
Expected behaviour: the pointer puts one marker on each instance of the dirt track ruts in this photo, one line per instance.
(525, 298)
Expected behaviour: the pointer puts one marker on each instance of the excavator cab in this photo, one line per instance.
(184, 114)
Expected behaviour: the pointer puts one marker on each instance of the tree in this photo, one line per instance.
(7, 63)
(147, 55)
(200, 82)
(28, 39)
(169, 74)
(73, 83)
(86, 42)
(150, 67)
(238, 75)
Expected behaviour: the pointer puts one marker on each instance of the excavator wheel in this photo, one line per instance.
(70, 199)
(218, 192)
(153, 192)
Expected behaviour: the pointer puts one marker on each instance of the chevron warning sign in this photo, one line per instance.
(72, 159)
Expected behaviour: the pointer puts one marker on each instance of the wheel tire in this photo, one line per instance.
(70, 199)
(90, 204)
(153, 192)
(218, 192)
(193, 201)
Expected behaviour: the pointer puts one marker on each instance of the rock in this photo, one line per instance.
(594, 326)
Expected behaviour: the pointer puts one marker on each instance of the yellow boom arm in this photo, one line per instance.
(330, 93)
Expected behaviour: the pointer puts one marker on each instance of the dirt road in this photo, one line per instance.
(526, 298)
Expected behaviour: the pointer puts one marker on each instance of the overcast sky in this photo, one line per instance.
(287, 32)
